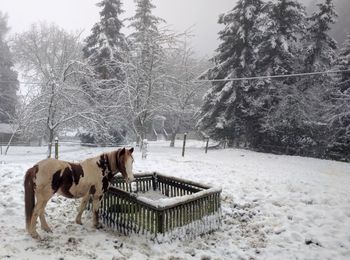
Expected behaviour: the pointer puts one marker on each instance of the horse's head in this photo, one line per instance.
(125, 161)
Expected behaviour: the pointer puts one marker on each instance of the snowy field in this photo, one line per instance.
(274, 207)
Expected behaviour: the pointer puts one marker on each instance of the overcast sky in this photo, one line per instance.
(82, 14)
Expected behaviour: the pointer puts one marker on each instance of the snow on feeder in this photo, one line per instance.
(162, 206)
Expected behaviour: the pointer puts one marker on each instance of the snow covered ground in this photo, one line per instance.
(274, 207)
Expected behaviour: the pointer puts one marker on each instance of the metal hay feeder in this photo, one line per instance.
(182, 209)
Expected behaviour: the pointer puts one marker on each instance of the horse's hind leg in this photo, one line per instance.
(43, 222)
(82, 208)
(42, 197)
(32, 229)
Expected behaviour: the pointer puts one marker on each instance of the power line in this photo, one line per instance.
(220, 80)
(274, 76)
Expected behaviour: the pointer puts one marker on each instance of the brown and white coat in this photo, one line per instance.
(90, 178)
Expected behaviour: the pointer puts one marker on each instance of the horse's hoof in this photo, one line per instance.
(98, 226)
(78, 222)
(47, 229)
(35, 235)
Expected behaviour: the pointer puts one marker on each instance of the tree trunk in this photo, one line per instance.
(138, 140)
(49, 151)
(143, 137)
(174, 131)
(9, 142)
(172, 141)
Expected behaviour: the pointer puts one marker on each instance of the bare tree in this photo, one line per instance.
(51, 57)
(183, 93)
(19, 119)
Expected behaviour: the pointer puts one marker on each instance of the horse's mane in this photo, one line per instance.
(112, 159)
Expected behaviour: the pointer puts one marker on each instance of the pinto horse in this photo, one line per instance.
(90, 178)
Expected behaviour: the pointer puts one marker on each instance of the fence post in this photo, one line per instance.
(144, 148)
(207, 144)
(56, 147)
(160, 219)
(184, 145)
(155, 181)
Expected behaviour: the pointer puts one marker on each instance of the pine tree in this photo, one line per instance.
(343, 63)
(229, 107)
(105, 47)
(8, 77)
(148, 56)
(339, 146)
(284, 24)
(313, 91)
(107, 52)
(320, 50)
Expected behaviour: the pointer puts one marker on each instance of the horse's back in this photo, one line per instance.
(72, 180)
(47, 168)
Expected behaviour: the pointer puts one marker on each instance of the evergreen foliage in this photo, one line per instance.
(339, 116)
(296, 121)
(147, 58)
(106, 50)
(226, 109)
(105, 47)
(321, 48)
(8, 77)
(288, 114)
(282, 24)
(343, 63)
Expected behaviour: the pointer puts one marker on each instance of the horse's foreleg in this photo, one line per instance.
(95, 207)
(82, 208)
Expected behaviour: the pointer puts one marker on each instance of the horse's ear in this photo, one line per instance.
(131, 150)
(122, 151)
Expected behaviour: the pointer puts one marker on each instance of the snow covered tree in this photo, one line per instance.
(106, 46)
(147, 58)
(297, 122)
(339, 122)
(339, 116)
(8, 77)
(321, 48)
(284, 24)
(182, 93)
(106, 51)
(229, 106)
(342, 62)
(52, 57)
(312, 92)
(20, 121)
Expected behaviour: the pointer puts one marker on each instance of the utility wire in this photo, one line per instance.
(219, 80)
(274, 76)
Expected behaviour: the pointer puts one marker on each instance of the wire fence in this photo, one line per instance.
(314, 152)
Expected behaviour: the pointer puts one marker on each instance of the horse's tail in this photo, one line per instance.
(29, 200)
